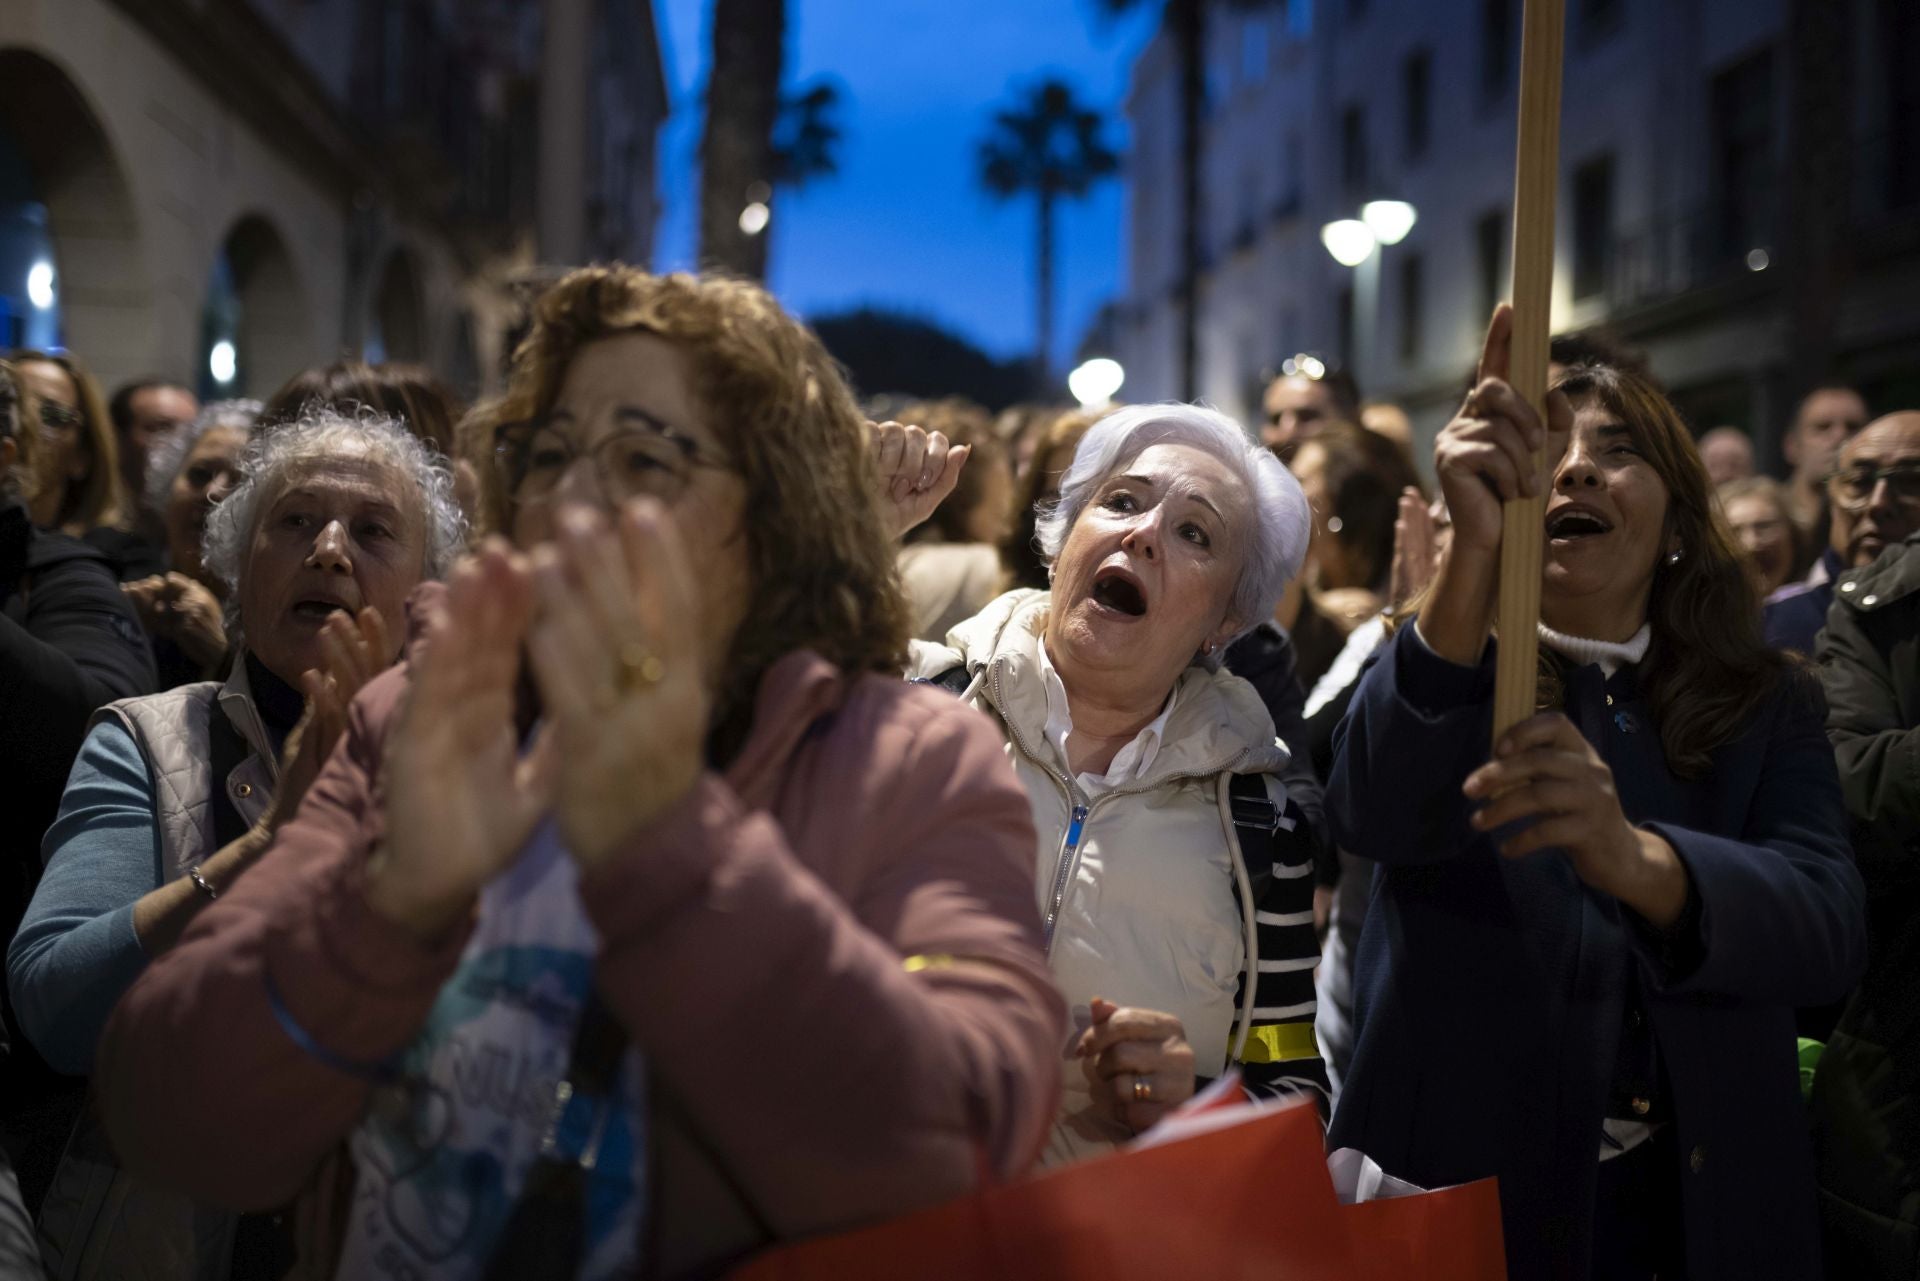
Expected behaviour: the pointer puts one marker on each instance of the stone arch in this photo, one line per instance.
(399, 328)
(100, 285)
(256, 303)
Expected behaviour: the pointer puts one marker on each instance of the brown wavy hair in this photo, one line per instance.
(98, 499)
(821, 564)
(410, 394)
(1708, 668)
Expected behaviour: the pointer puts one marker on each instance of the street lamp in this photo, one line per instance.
(40, 285)
(1094, 382)
(1388, 220)
(1349, 240)
(1355, 242)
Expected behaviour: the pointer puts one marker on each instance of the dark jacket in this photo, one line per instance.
(1793, 616)
(1866, 1117)
(1264, 658)
(69, 643)
(1493, 994)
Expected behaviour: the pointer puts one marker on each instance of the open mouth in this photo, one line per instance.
(1119, 591)
(317, 611)
(1570, 524)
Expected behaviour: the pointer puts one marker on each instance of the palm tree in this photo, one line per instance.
(1186, 22)
(806, 139)
(736, 147)
(1048, 145)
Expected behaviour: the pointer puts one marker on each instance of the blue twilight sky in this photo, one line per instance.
(904, 224)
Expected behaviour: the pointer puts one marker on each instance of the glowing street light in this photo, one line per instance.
(40, 285)
(1349, 240)
(1094, 382)
(1388, 220)
(223, 362)
(755, 217)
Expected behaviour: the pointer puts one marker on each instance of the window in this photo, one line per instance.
(1741, 112)
(1298, 16)
(1253, 50)
(1290, 166)
(1353, 149)
(1592, 227)
(1490, 260)
(1416, 91)
(1412, 300)
(1601, 18)
(1499, 52)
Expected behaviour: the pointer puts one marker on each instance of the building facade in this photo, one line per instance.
(228, 191)
(1739, 197)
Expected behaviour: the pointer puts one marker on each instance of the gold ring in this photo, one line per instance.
(1142, 1090)
(639, 666)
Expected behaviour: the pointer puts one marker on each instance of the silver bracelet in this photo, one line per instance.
(201, 883)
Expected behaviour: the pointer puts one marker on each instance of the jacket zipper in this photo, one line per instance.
(1069, 847)
(1076, 828)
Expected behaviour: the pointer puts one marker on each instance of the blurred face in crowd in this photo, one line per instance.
(1328, 552)
(1764, 533)
(1875, 489)
(1826, 420)
(337, 533)
(626, 424)
(64, 456)
(156, 412)
(1147, 574)
(1606, 519)
(1296, 407)
(1727, 454)
(210, 470)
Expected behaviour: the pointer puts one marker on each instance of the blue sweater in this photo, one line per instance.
(76, 951)
(1491, 993)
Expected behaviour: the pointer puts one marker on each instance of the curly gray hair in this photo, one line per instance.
(1282, 522)
(170, 455)
(320, 433)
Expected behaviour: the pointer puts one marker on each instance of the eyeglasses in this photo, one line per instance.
(658, 463)
(1852, 488)
(57, 417)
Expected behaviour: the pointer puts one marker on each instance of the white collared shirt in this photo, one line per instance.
(1130, 763)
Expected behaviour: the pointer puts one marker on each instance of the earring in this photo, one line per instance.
(1673, 557)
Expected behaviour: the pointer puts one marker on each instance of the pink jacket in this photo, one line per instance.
(753, 944)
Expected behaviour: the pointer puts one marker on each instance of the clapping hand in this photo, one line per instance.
(1137, 1063)
(355, 650)
(918, 469)
(460, 797)
(184, 611)
(617, 652)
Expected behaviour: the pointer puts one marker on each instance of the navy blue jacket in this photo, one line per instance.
(1491, 993)
(1794, 616)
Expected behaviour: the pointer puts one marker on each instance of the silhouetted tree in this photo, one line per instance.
(1048, 146)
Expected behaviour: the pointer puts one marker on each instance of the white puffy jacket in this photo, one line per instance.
(1147, 896)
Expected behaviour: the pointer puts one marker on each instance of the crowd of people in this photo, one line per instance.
(662, 813)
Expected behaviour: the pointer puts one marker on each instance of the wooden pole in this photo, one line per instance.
(1536, 174)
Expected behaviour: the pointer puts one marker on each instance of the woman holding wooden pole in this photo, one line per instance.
(1581, 959)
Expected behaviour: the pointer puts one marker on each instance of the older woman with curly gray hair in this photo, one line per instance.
(1172, 872)
(334, 521)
